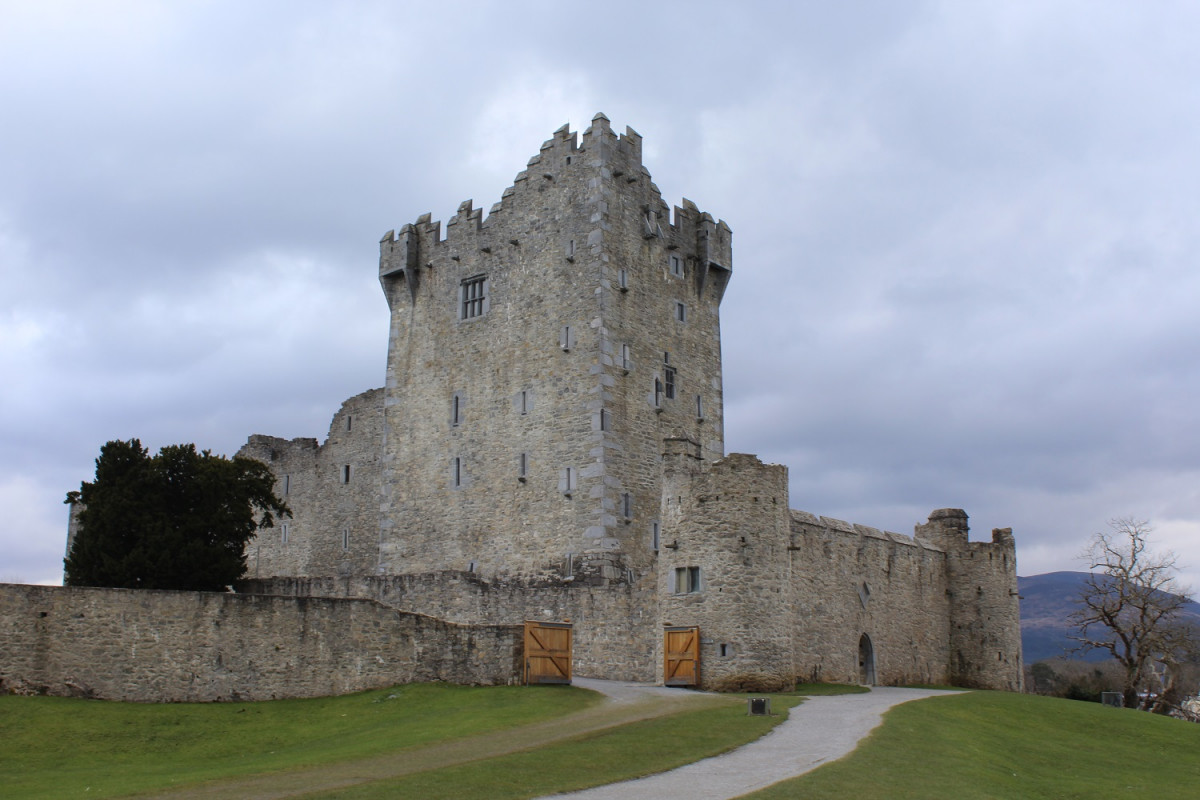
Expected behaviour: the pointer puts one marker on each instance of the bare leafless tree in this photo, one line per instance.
(1130, 605)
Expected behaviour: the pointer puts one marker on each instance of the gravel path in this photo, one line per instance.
(820, 730)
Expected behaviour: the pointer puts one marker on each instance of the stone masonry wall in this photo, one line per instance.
(333, 490)
(156, 646)
(984, 614)
(850, 580)
(783, 595)
(614, 623)
(725, 568)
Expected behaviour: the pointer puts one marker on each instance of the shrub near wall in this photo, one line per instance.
(157, 646)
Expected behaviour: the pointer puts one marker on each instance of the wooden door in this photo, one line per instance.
(681, 657)
(547, 652)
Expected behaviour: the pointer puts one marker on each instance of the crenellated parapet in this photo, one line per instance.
(600, 170)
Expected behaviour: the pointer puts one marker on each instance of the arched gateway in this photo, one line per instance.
(866, 660)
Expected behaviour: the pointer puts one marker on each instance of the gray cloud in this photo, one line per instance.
(964, 236)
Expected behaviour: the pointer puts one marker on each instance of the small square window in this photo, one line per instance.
(687, 580)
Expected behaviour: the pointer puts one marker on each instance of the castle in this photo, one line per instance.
(540, 488)
(549, 446)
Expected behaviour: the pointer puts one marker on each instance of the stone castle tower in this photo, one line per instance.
(549, 445)
(537, 360)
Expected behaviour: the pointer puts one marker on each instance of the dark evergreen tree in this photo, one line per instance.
(176, 520)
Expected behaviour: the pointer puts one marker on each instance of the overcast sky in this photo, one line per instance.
(965, 234)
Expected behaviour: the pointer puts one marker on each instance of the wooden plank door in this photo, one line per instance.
(547, 652)
(681, 657)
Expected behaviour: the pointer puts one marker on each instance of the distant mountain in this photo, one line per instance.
(1047, 602)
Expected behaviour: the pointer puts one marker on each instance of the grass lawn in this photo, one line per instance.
(1002, 745)
(435, 741)
(629, 751)
(59, 747)
(419, 740)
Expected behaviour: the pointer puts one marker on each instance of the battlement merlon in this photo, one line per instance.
(1004, 536)
(600, 140)
(714, 248)
(399, 257)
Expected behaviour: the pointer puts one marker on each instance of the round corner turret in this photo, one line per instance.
(947, 529)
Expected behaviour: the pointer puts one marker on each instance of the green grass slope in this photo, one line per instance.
(59, 747)
(420, 740)
(1000, 745)
(617, 754)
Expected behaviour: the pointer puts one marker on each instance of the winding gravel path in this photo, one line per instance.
(820, 730)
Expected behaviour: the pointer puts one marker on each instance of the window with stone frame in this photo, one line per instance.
(687, 580)
(473, 297)
(676, 262)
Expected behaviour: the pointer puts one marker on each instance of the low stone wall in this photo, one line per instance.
(156, 646)
(614, 624)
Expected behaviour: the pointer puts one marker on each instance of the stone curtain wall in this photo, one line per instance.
(154, 646)
(851, 580)
(615, 624)
(785, 595)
